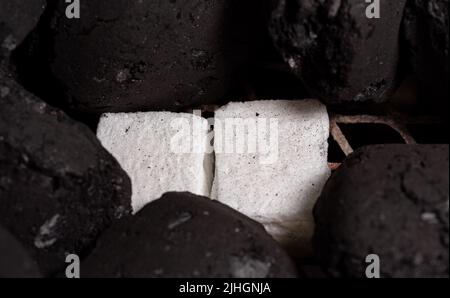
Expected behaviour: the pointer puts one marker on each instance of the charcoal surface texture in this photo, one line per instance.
(341, 55)
(15, 262)
(133, 55)
(17, 19)
(182, 235)
(426, 32)
(388, 200)
(59, 188)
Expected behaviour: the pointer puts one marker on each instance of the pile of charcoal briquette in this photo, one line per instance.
(62, 193)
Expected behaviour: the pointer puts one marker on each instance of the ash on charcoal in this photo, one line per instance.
(426, 36)
(59, 188)
(15, 262)
(160, 151)
(388, 200)
(341, 55)
(17, 19)
(249, 268)
(47, 235)
(205, 246)
(133, 55)
(278, 183)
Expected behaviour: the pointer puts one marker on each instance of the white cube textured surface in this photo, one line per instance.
(143, 144)
(279, 192)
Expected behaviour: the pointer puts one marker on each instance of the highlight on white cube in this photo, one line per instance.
(271, 164)
(161, 152)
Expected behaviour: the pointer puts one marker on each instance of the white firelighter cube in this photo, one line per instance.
(271, 164)
(160, 151)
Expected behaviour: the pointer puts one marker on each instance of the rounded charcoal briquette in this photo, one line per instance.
(426, 33)
(340, 54)
(182, 235)
(59, 188)
(15, 262)
(133, 55)
(17, 19)
(388, 200)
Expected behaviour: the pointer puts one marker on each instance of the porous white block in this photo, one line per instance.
(160, 151)
(278, 185)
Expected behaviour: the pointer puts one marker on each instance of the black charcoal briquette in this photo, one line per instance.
(133, 55)
(388, 200)
(426, 33)
(59, 188)
(182, 235)
(17, 19)
(15, 262)
(341, 55)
